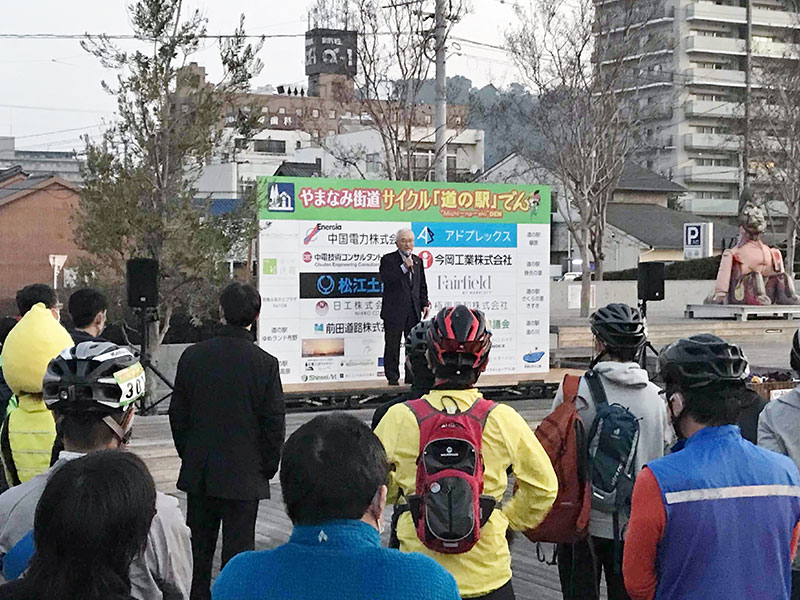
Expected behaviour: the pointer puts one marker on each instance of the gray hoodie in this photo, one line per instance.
(779, 430)
(626, 384)
(163, 571)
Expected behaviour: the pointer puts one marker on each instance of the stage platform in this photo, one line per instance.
(766, 342)
(740, 312)
(153, 442)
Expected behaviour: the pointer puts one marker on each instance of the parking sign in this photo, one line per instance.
(698, 240)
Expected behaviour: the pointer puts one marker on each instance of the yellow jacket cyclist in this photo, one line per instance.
(507, 441)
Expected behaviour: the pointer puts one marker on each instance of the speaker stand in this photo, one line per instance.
(146, 316)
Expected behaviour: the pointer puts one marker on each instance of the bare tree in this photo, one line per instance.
(775, 143)
(589, 64)
(395, 57)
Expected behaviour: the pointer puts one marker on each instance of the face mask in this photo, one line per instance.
(377, 513)
(676, 398)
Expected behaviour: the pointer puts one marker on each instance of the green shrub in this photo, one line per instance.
(699, 268)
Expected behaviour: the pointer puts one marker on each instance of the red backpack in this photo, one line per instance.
(563, 437)
(449, 508)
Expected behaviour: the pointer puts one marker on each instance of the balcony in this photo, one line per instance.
(711, 141)
(714, 45)
(712, 108)
(717, 206)
(714, 77)
(734, 46)
(702, 11)
(697, 174)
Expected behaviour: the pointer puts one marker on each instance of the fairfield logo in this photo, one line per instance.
(464, 282)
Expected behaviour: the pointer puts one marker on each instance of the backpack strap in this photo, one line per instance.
(569, 387)
(422, 409)
(480, 410)
(596, 387)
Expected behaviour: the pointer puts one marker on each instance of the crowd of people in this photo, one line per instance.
(690, 488)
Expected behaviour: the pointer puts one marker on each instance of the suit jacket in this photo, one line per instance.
(401, 296)
(227, 417)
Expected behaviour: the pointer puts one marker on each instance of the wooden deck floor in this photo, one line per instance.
(152, 441)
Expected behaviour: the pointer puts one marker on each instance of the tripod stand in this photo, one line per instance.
(146, 316)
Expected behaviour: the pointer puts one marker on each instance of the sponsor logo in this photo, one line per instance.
(325, 284)
(340, 285)
(464, 282)
(533, 357)
(281, 197)
(426, 236)
(322, 308)
(307, 257)
(319, 327)
(312, 232)
(465, 235)
(427, 259)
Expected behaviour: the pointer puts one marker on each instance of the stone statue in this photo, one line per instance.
(752, 272)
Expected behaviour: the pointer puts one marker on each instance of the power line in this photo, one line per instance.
(30, 135)
(55, 108)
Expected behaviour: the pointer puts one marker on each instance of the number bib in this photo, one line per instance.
(131, 382)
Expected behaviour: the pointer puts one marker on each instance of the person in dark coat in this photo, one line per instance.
(87, 308)
(227, 418)
(417, 363)
(405, 298)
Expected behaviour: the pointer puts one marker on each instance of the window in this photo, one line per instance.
(270, 146)
(273, 120)
(331, 114)
(458, 120)
(315, 113)
(297, 145)
(428, 119)
(298, 112)
(282, 110)
(265, 109)
(315, 133)
(240, 143)
(373, 163)
(287, 121)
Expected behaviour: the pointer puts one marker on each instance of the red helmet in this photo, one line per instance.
(458, 341)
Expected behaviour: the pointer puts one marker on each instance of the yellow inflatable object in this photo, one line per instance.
(30, 346)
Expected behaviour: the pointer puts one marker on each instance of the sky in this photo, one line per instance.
(50, 90)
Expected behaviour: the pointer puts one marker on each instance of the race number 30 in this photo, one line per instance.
(131, 382)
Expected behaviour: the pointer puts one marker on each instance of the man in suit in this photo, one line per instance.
(405, 298)
(227, 419)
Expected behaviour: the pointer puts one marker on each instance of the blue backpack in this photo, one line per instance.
(613, 439)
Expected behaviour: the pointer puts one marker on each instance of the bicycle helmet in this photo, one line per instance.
(458, 341)
(93, 377)
(619, 326)
(702, 360)
(417, 342)
(794, 357)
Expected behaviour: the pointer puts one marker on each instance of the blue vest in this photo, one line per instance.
(731, 508)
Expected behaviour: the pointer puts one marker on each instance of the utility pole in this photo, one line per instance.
(746, 194)
(440, 110)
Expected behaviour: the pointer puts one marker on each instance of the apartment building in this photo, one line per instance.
(697, 79)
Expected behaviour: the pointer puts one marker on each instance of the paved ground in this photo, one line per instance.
(533, 580)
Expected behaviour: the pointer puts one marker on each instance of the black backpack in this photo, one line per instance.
(613, 440)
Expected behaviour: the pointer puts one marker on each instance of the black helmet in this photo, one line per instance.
(93, 377)
(459, 341)
(702, 360)
(417, 340)
(619, 326)
(794, 357)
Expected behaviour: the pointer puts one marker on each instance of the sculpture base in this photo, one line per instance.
(741, 312)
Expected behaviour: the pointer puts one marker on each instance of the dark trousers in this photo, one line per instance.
(504, 593)
(579, 570)
(392, 335)
(795, 585)
(203, 516)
